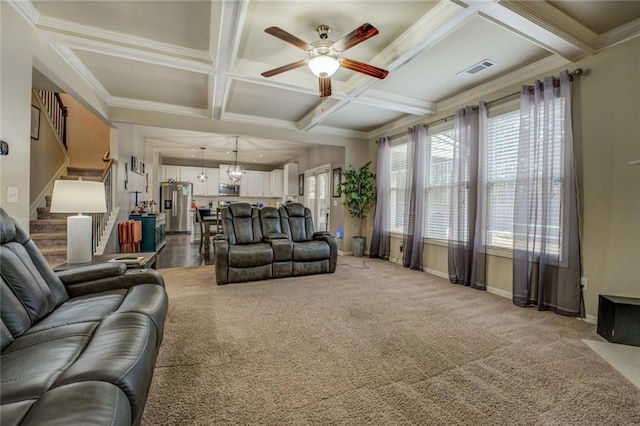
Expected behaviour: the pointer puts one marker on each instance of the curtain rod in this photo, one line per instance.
(575, 73)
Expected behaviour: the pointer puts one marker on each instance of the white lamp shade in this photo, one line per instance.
(78, 196)
(323, 65)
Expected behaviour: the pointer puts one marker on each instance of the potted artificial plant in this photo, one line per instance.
(359, 191)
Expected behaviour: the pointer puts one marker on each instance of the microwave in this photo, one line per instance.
(229, 189)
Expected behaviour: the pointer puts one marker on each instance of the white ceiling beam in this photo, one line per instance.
(544, 25)
(231, 19)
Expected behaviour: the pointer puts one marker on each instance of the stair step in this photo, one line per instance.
(45, 214)
(81, 171)
(50, 240)
(75, 177)
(56, 259)
(48, 225)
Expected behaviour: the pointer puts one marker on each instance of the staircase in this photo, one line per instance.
(49, 231)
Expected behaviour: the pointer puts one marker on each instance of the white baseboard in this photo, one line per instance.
(591, 319)
(345, 253)
(436, 273)
(500, 292)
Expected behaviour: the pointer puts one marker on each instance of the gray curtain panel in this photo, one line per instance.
(414, 196)
(381, 237)
(546, 243)
(467, 257)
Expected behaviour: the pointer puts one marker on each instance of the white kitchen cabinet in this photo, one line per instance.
(170, 172)
(277, 183)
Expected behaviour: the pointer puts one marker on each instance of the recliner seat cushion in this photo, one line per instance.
(310, 251)
(250, 255)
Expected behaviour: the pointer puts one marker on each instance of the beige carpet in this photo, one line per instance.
(383, 345)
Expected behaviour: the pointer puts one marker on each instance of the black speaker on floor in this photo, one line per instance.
(619, 319)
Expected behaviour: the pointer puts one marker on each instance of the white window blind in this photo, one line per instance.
(438, 185)
(397, 185)
(502, 157)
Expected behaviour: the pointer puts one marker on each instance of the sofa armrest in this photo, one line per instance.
(221, 251)
(333, 247)
(128, 279)
(91, 272)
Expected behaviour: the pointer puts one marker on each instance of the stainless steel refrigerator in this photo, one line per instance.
(175, 204)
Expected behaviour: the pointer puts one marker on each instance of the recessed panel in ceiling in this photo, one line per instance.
(361, 118)
(600, 15)
(183, 23)
(301, 18)
(269, 102)
(147, 82)
(433, 73)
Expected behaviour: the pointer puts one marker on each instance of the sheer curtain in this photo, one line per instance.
(546, 244)
(380, 239)
(467, 257)
(414, 197)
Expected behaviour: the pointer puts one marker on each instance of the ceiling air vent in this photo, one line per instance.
(475, 69)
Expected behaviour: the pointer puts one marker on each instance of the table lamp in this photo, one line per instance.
(78, 196)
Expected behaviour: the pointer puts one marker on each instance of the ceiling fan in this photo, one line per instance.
(324, 54)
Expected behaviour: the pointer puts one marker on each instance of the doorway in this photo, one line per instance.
(317, 196)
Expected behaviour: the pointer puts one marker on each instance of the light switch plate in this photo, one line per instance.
(12, 194)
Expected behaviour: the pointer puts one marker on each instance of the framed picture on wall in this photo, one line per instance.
(301, 184)
(137, 166)
(337, 180)
(35, 122)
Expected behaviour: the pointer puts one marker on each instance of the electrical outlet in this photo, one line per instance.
(583, 283)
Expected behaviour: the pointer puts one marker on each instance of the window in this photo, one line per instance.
(438, 183)
(502, 156)
(398, 184)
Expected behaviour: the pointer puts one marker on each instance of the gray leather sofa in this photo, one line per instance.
(259, 244)
(77, 347)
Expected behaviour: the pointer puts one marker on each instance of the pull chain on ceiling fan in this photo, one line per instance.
(324, 55)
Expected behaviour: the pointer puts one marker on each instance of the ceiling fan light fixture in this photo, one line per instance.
(323, 65)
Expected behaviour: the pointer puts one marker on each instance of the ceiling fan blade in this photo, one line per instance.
(325, 86)
(360, 34)
(363, 68)
(288, 37)
(284, 68)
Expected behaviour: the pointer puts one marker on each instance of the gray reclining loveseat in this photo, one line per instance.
(77, 347)
(264, 243)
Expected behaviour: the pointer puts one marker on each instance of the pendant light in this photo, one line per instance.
(202, 176)
(235, 171)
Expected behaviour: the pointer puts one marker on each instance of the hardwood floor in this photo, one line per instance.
(179, 252)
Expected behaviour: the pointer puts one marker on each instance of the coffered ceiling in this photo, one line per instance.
(202, 60)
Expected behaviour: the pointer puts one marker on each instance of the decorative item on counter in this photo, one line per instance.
(153, 207)
(193, 204)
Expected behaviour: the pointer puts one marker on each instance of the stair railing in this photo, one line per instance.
(57, 112)
(100, 219)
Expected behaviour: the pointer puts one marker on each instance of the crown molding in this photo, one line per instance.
(397, 103)
(27, 10)
(83, 72)
(619, 35)
(117, 102)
